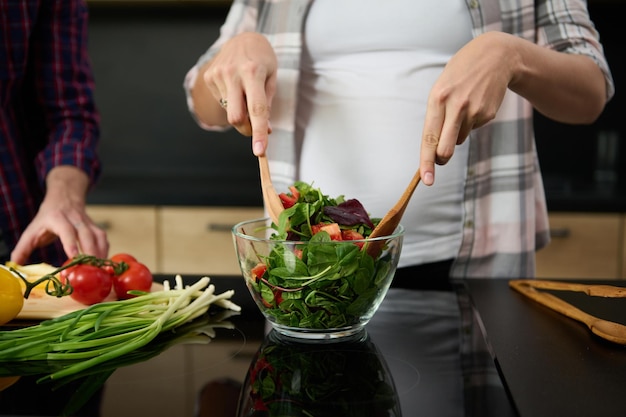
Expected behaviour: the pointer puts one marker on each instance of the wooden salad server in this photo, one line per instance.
(273, 204)
(605, 329)
(390, 222)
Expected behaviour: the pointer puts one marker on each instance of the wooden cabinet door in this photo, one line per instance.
(583, 246)
(130, 229)
(196, 240)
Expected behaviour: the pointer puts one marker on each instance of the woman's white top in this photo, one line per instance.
(367, 69)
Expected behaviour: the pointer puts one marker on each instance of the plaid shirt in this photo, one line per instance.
(505, 214)
(48, 117)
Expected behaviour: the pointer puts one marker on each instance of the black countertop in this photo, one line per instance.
(550, 364)
(410, 349)
(481, 350)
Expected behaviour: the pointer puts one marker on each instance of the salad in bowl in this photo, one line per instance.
(311, 275)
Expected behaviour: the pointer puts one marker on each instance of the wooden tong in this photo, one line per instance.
(608, 330)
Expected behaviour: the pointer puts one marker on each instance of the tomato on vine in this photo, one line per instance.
(91, 284)
(89, 280)
(123, 257)
(136, 277)
(116, 264)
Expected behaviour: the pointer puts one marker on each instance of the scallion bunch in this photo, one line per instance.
(105, 331)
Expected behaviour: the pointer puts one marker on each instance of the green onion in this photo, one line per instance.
(105, 331)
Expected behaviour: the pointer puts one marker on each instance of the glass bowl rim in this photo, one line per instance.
(399, 232)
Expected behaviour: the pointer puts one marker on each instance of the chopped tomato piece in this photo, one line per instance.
(258, 271)
(278, 296)
(352, 235)
(331, 228)
(290, 199)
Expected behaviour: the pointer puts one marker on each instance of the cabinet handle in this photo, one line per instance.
(560, 233)
(219, 227)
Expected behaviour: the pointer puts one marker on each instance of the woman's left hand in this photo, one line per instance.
(467, 94)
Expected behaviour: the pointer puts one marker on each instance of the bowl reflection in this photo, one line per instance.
(348, 378)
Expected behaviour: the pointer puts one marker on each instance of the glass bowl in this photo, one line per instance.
(316, 290)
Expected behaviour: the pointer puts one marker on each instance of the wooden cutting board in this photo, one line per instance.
(41, 306)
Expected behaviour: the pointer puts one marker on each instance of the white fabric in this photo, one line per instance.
(394, 62)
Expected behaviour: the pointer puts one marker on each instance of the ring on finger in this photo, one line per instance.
(223, 103)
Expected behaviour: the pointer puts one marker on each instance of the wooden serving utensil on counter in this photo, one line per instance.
(390, 222)
(273, 204)
(605, 329)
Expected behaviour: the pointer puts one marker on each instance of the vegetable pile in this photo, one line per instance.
(86, 279)
(109, 330)
(318, 275)
(93, 279)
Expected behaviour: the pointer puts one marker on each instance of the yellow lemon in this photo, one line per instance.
(11, 295)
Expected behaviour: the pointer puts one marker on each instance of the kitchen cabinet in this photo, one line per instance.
(198, 240)
(584, 245)
(130, 229)
(175, 240)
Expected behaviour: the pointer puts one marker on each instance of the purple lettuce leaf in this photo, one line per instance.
(349, 213)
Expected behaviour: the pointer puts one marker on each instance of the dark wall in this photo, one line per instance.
(152, 150)
(580, 159)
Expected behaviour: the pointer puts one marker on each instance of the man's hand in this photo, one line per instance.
(62, 214)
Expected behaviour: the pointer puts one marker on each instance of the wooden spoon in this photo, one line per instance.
(390, 222)
(605, 329)
(592, 290)
(273, 204)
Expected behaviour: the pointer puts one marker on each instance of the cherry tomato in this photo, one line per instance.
(118, 258)
(136, 277)
(123, 257)
(91, 284)
(11, 296)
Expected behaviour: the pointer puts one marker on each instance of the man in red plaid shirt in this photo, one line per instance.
(49, 131)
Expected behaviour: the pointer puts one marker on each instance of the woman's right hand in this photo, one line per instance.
(243, 73)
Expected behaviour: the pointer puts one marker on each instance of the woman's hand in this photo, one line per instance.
(467, 94)
(243, 73)
(569, 88)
